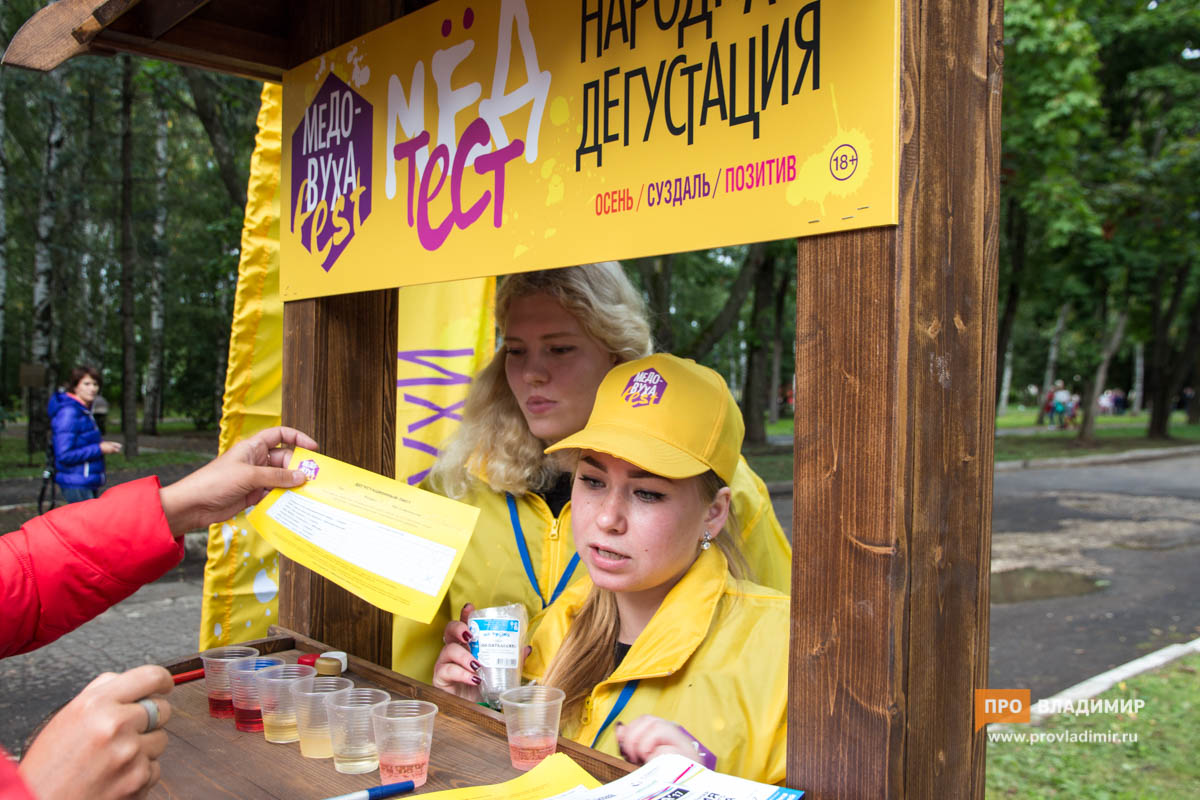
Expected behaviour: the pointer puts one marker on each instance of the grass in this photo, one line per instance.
(774, 463)
(1021, 417)
(15, 463)
(1161, 764)
(1064, 444)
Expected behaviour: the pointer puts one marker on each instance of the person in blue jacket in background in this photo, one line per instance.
(78, 448)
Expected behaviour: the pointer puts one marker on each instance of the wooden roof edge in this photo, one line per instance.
(68, 28)
(184, 48)
(61, 31)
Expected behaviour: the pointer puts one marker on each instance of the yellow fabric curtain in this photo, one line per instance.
(446, 335)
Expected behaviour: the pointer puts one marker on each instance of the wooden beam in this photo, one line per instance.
(895, 363)
(339, 385)
(161, 16)
(204, 43)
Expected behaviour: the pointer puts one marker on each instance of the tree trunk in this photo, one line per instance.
(712, 333)
(42, 346)
(1139, 378)
(1051, 361)
(128, 257)
(1017, 230)
(754, 396)
(785, 280)
(1159, 378)
(656, 278)
(1193, 409)
(154, 370)
(1005, 382)
(1087, 427)
(207, 109)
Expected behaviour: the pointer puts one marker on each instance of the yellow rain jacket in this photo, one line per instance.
(492, 572)
(713, 659)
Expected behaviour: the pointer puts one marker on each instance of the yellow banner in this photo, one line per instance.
(471, 139)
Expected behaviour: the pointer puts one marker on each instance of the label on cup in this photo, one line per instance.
(496, 641)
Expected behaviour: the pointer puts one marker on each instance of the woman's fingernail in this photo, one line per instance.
(475, 665)
(466, 636)
(475, 679)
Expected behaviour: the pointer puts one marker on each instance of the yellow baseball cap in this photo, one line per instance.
(667, 415)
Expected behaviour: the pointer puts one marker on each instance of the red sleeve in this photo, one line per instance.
(11, 785)
(65, 567)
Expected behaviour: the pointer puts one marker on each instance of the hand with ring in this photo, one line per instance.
(105, 743)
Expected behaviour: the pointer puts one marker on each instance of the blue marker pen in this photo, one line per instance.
(377, 792)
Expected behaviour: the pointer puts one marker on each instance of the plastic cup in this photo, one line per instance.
(350, 729)
(531, 717)
(312, 719)
(216, 678)
(403, 735)
(243, 674)
(278, 707)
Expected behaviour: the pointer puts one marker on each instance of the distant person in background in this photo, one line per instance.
(78, 447)
(1062, 404)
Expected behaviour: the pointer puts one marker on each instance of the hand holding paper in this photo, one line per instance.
(238, 478)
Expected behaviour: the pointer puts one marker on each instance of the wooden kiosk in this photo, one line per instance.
(895, 335)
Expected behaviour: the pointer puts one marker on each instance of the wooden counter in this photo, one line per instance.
(208, 758)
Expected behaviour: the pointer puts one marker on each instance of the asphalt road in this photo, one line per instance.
(1134, 527)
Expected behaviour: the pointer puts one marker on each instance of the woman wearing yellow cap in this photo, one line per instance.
(562, 331)
(660, 648)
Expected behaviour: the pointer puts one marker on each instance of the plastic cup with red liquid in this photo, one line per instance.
(531, 716)
(216, 677)
(403, 737)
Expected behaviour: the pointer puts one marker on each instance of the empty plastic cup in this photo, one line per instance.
(247, 711)
(531, 717)
(312, 720)
(350, 729)
(403, 736)
(216, 677)
(278, 706)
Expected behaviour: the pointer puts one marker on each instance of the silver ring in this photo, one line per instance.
(151, 708)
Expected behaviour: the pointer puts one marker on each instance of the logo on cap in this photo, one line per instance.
(645, 388)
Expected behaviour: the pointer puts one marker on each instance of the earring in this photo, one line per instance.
(706, 542)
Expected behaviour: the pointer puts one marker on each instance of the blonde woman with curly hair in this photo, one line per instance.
(562, 330)
(659, 647)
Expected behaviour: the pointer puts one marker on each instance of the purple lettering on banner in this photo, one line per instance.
(419, 357)
(440, 412)
(645, 388)
(443, 377)
(331, 170)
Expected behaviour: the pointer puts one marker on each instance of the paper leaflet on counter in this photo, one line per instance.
(673, 777)
(393, 545)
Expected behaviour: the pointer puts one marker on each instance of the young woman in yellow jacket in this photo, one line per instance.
(661, 648)
(562, 331)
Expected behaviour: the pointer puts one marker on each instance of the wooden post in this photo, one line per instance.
(339, 385)
(895, 400)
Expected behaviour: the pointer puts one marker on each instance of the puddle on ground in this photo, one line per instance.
(1019, 585)
(1164, 540)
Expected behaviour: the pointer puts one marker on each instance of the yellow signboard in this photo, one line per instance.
(479, 137)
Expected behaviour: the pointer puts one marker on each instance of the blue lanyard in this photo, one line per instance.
(524, 550)
(618, 707)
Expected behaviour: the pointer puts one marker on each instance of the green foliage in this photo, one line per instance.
(1161, 764)
(203, 226)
